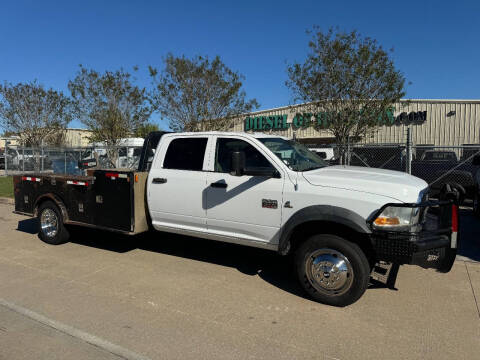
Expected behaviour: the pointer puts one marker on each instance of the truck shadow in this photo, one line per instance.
(274, 269)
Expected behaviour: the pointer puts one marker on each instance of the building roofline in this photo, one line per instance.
(455, 101)
(474, 101)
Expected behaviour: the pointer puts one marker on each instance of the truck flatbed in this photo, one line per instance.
(109, 199)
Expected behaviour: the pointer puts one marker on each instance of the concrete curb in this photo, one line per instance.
(76, 333)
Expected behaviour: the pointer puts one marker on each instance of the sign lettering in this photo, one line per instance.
(321, 120)
(271, 122)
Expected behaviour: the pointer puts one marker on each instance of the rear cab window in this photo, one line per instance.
(186, 154)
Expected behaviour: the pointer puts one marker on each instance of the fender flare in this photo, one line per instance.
(328, 213)
(56, 199)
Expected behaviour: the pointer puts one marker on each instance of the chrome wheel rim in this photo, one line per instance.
(49, 222)
(329, 272)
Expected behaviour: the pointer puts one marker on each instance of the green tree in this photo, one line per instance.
(144, 130)
(199, 94)
(109, 104)
(349, 80)
(34, 113)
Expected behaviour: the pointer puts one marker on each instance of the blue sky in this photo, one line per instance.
(436, 43)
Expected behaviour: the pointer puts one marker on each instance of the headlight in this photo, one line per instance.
(397, 218)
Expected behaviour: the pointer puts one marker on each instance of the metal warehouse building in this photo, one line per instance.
(432, 122)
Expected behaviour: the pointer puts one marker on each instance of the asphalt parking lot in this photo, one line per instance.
(162, 296)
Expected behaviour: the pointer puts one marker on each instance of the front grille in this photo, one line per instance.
(395, 247)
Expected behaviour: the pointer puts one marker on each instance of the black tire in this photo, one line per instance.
(353, 274)
(56, 233)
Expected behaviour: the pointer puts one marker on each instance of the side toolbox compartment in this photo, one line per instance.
(75, 192)
(119, 202)
(109, 199)
(113, 199)
(25, 190)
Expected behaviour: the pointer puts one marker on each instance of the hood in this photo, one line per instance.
(394, 184)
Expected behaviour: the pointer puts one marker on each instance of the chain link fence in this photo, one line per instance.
(437, 165)
(21, 160)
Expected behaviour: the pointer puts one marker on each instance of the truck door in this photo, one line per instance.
(176, 182)
(247, 208)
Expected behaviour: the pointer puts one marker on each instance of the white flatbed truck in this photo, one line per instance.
(257, 190)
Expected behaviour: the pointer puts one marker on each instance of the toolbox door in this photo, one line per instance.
(113, 200)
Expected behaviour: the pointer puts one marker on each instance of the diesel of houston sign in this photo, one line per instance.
(321, 120)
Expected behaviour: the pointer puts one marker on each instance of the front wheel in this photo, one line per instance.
(332, 270)
(50, 224)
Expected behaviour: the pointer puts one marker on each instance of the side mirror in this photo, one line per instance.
(476, 160)
(238, 163)
(87, 164)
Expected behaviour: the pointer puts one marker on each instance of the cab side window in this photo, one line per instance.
(185, 154)
(223, 155)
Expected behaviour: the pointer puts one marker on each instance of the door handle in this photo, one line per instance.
(219, 185)
(159, 181)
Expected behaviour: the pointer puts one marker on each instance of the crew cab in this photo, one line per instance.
(257, 190)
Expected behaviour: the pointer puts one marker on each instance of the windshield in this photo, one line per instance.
(296, 156)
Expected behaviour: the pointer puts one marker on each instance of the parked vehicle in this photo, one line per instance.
(262, 191)
(436, 167)
(441, 167)
(436, 155)
(23, 160)
(126, 154)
